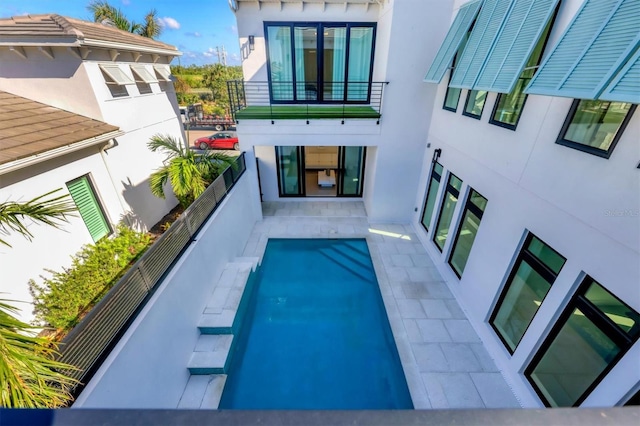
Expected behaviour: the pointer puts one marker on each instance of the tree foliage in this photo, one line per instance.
(103, 11)
(188, 172)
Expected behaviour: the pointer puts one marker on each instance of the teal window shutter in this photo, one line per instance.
(626, 86)
(599, 41)
(452, 41)
(480, 42)
(517, 39)
(88, 207)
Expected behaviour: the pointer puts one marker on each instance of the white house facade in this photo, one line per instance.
(80, 101)
(515, 159)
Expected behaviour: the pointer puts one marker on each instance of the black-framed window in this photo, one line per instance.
(320, 62)
(593, 333)
(289, 160)
(595, 126)
(471, 217)
(634, 400)
(451, 98)
(432, 194)
(530, 279)
(509, 106)
(447, 207)
(474, 104)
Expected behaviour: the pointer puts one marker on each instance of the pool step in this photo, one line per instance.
(203, 392)
(349, 258)
(211, 354)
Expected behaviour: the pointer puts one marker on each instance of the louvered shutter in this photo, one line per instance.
(84, 198)
(626, 86)
(517, 39)
(480, 43)
(596, 45)
(452, 41)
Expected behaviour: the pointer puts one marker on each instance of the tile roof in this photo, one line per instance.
(44, 29)
(28, 128)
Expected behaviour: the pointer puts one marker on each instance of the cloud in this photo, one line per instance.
(126, 2)
(233, 29)
(193, 34)
(209, 52)
(170, 23)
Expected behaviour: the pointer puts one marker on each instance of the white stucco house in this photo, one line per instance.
(79, 102)
(515, 158)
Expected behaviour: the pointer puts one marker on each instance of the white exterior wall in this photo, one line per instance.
(148, 366)
(401, 58)
(120, 175)
(564, 196)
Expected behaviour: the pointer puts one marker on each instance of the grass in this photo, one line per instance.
(285, 112)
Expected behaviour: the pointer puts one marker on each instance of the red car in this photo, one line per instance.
(220, 140)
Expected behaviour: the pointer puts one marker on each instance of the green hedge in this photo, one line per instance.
(62, 299)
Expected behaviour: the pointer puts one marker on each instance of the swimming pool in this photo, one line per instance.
(315, 334)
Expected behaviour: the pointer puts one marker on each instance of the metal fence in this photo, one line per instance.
(243, 94)
(88, 344)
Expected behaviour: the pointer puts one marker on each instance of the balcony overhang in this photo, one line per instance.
(235, 4)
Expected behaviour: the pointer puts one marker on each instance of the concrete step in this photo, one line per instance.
(211, 354)
(203, 392)
(217, 323)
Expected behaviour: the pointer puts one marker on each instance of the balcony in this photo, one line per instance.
(262, 100)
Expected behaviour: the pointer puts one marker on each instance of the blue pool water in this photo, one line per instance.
(316, 334)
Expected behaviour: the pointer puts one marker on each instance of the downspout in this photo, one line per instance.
(103, 154)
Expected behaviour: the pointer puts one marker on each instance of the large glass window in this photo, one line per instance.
(595, 126)
(432, 193)
(509, 106)
(446, 211)
(452, 97)
(288, 160)
(475, 103)
(594, 332)
(533, 273)
(467, 231)
(353, 169)
(333, 67)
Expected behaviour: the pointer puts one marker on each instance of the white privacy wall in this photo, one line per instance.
(585, 207)
(148, 366)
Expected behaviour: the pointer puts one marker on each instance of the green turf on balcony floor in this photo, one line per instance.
(292, 112)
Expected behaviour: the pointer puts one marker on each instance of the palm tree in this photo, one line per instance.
(188, 172)
(103, 11)
(51, 212)
(29, 376)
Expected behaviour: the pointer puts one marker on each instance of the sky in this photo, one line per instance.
(195, 27)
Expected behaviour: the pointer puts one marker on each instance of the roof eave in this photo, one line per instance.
(57, 152)
(124, 46)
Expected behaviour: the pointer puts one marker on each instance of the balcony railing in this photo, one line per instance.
(263, 100)
(88, 344)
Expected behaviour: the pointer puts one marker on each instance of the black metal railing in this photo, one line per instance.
(317, 100)
(88, 344)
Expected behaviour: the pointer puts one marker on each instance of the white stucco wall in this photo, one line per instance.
(404, 47)
(566, 197)
(148, 366)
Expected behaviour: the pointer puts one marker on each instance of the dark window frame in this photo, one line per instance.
(453, 191)
(320, 26)
(432, 175)
(468, 205)
(340, 182)
(446, 96)
(586, 148)
(300, 159)
(466, 103)
(538, 266)
(600, 320)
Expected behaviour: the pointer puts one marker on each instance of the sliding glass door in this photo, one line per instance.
(320, 62)
(289, 161)
(352, 168)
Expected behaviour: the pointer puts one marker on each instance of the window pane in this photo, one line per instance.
(451, 98)
(360, 45)
(596, 123)
(335, 54)
(289, 170)
(280, 62)
(475, 103)
(510, 105)
(353, 165)
(306, 51)
(573, 361)
(467, 233)
(434, 185)
(446, 212)
(624, 317)
(525, 293)
(546, 255)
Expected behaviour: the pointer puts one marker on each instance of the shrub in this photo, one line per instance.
(62, 300)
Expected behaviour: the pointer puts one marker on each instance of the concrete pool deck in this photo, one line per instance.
(444, 360)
